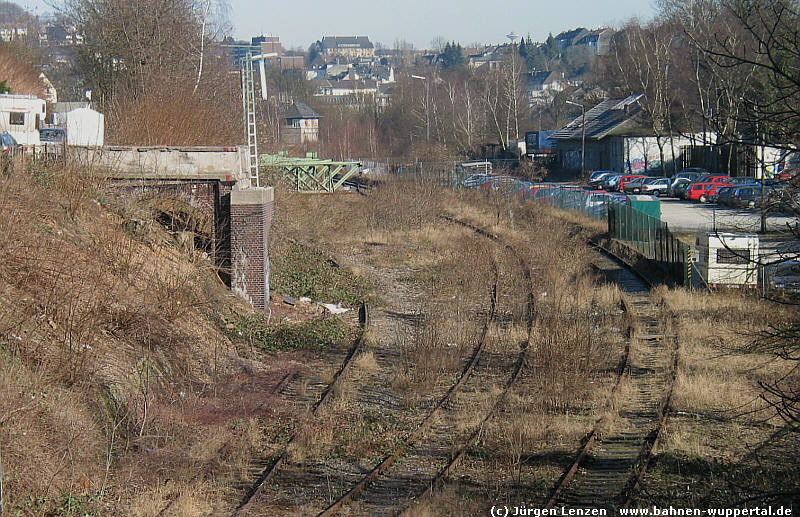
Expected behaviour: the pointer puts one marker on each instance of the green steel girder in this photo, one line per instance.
(310, 175)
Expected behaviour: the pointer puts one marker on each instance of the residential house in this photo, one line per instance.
(568, 38)
(347, 92)
(302, 125)
(597, 40)
(491, 57)
(50, 92)
(349, 47)
(60, 36)
(269, 44)
(542, 86)
(12, 32)
(616, 138)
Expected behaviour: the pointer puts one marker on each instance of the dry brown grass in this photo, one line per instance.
(314, 440)
(366, 362)
(106, 346)
(717, 373)
(434, 353)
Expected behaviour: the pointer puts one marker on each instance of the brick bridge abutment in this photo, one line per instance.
(213, 181)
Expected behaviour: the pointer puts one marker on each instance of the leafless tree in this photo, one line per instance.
(135, 42)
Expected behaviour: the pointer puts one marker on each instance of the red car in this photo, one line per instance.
(625, 179)
(712, 178)
(699, 191)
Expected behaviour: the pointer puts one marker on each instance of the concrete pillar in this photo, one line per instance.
(251, 215)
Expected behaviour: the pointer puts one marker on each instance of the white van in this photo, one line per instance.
(22, 116)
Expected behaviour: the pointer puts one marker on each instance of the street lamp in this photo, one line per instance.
(583, 136)
(261, 58)
(249, 107)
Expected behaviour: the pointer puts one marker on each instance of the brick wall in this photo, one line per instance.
(241, 221)
(251, 213)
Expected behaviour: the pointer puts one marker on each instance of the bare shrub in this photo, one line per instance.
(172, 113)
(566, 354)
(21, 76)
(435, 352)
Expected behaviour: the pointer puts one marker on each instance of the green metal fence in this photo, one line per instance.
(652, 239)
(667, 258)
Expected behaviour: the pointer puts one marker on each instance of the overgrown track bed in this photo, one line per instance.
(608, 466)
(262, 475)
(437, 441)
(285, 381)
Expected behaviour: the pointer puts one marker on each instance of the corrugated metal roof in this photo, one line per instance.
(602, 119)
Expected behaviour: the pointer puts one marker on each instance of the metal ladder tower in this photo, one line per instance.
(249, 109)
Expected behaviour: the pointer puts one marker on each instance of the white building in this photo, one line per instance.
(83, 125)
(727, 259)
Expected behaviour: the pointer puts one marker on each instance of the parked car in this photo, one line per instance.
(692, 173)
(698, 191)
(529, 192)
(743, 181)
(597, 177)
(655, 186)
(724, 196)
(784, 276)
(634, 186)
(7, 143)
(624, 179)
(474, 180)
(747, 197)
(712, 192)
(715, 178)
(610, 182)
(499, 182)
(597, 202)
(678, 186)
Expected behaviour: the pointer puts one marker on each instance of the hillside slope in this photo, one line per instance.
(117, 374)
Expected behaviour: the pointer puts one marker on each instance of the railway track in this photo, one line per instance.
(265, 470)
(414, 477)
(208, 465)
(608, 468)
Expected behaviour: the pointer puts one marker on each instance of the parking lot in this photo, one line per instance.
(686, 216)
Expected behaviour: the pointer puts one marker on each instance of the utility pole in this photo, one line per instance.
(583, 136)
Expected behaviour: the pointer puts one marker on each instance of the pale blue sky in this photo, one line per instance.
(300, 23)
(421, 21)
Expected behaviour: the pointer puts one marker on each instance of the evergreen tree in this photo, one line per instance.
(523, 49)
(550, 47)
(452, 57)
